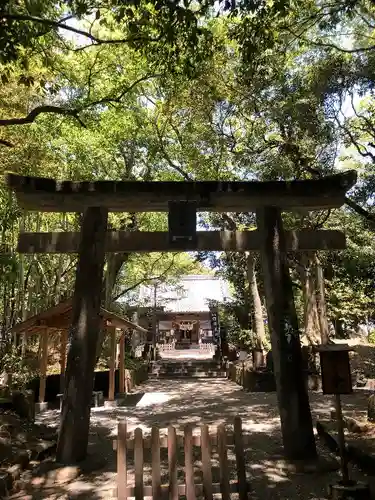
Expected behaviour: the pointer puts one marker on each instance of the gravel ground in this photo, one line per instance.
(177, 402)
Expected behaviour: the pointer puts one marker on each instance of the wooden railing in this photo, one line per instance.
(139, 350)
(174, 442)
(207, 347)
(166, 347)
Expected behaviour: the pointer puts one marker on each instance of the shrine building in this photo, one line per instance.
(182, 310)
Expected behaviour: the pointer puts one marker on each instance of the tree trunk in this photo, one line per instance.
(22, 291)
(34, 292)
(312, 327)
(292, 393)
(254, 293)
(6, 306)
(60, 265)
(321, 302)
(79, 376)
(114, 266)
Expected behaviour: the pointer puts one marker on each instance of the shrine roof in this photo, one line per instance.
(191, 295)
(50, 195)
(60, 316)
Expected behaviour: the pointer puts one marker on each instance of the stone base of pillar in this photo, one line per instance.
(110, 404)
(351, 491)
(41, 407)
(122, 395)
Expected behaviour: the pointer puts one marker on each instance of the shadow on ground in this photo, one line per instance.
(180, 402)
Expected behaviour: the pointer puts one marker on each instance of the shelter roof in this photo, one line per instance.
(60, 316)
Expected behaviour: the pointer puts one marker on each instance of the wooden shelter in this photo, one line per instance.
(59, 318)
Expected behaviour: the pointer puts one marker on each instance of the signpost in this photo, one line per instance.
(215, 327)
(337, 380)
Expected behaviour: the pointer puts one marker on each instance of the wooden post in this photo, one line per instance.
(43, 342)
(292, 393)
(121, 368)
(86, 322)
(321, 302)
(112, 364)
(122, 476)
(63, 344)
(341, 440)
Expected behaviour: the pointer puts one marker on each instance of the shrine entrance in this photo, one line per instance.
(186, 332)
(182, 201)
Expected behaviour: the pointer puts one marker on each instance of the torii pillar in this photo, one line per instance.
(291, 387)
(84, 334)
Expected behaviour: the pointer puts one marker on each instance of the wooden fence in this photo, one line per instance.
(173, 442)
(207, 347)
(172, 347)
(166, 347)
(139, 350)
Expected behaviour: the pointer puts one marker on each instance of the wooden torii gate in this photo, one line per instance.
(267, 199)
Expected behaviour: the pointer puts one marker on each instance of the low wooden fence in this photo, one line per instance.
(207, 347)
(172, 347)
(172, 442)
(166, 347)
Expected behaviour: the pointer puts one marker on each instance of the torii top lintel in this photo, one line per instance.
(49, 195)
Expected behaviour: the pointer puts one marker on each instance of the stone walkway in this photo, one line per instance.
(176, 402)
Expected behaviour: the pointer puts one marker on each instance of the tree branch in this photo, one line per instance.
(73, 112)
(329, 45)
(168, 159)
(361, 211)
(145, 280)
(340, 49)
(361, 149)
(108, 100)
(39, 110)
(6, 143)
(61, 25)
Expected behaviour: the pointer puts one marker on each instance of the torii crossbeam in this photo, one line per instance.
(49, 195)
(158, 241)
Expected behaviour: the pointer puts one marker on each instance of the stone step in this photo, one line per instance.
(217, 374)
(187, 369)
(192, 368)
(184, 370)
(179, 365)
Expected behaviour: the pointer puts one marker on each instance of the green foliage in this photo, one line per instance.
(133, 363)
(163, 90)
(371, 336)
(21, 370)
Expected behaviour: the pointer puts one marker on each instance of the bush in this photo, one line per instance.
(371, 336)
(132, 363)
(21, 370)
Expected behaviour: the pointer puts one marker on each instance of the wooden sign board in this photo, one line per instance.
(150, 335)
(335, 368)
(243, 356)
(215, 326)
(182, 225)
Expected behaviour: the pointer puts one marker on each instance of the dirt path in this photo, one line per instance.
(176, 402)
